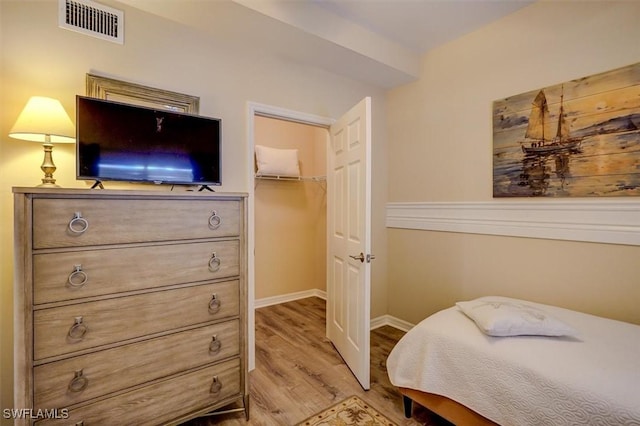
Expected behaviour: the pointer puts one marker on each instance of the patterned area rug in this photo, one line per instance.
(351, 411)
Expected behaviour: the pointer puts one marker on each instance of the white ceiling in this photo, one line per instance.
(420, 25)
(377, 41)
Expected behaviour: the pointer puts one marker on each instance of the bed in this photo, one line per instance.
(571, 368)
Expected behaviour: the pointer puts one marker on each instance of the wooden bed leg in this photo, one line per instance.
(408, 405)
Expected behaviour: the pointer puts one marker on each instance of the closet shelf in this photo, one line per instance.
(292, 178)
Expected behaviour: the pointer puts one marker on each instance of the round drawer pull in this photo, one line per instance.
(78, 383)
(214, 220)
(214, 304)
(214, 263)
(216, 386)
(78, 277)
(78, 329)
(78, 224)
(215, 345)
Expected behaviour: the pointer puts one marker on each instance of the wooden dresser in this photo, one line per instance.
(130, 306)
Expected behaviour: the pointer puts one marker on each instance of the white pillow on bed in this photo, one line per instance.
(276, 161)
(502, 316)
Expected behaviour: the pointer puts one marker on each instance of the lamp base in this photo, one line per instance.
(48, 167)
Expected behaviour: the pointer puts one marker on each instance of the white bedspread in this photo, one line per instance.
(526, 380)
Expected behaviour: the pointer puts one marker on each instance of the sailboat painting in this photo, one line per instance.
(580, 138)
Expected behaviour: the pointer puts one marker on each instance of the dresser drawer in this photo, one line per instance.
(73, 380)
(74, 327)
(77, 274)
(83, 222)
(161, 402)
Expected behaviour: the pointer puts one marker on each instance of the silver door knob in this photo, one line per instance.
(361, 257)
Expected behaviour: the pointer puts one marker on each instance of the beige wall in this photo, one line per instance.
(36, 57)
(291, 216)
(439, 132)
(440, 149)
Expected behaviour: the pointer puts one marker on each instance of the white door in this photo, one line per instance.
(349, 238)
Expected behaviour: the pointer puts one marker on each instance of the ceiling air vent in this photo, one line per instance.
(91, 18)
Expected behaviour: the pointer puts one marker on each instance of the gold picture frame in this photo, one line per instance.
(137, 94)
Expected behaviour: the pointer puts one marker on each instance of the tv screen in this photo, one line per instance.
(117, 141)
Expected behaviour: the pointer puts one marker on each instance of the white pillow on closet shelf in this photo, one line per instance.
(276, 161)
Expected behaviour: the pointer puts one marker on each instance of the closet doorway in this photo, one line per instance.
(348, 216)
(290, 214)
(287, 217)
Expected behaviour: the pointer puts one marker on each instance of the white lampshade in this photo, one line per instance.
(44, 120)
(43, 117)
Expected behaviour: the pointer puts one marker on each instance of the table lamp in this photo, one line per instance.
(44, 120)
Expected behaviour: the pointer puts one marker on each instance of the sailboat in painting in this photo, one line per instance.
(541, 141)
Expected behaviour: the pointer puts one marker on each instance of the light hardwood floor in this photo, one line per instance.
(298, 372)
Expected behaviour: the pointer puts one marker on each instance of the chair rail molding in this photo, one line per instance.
(599, 221)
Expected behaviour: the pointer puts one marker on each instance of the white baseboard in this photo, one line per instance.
(390, 321)
(290, 297)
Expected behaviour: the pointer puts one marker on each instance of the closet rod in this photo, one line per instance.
(292, 178)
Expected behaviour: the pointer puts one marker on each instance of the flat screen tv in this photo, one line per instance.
(123, 142)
